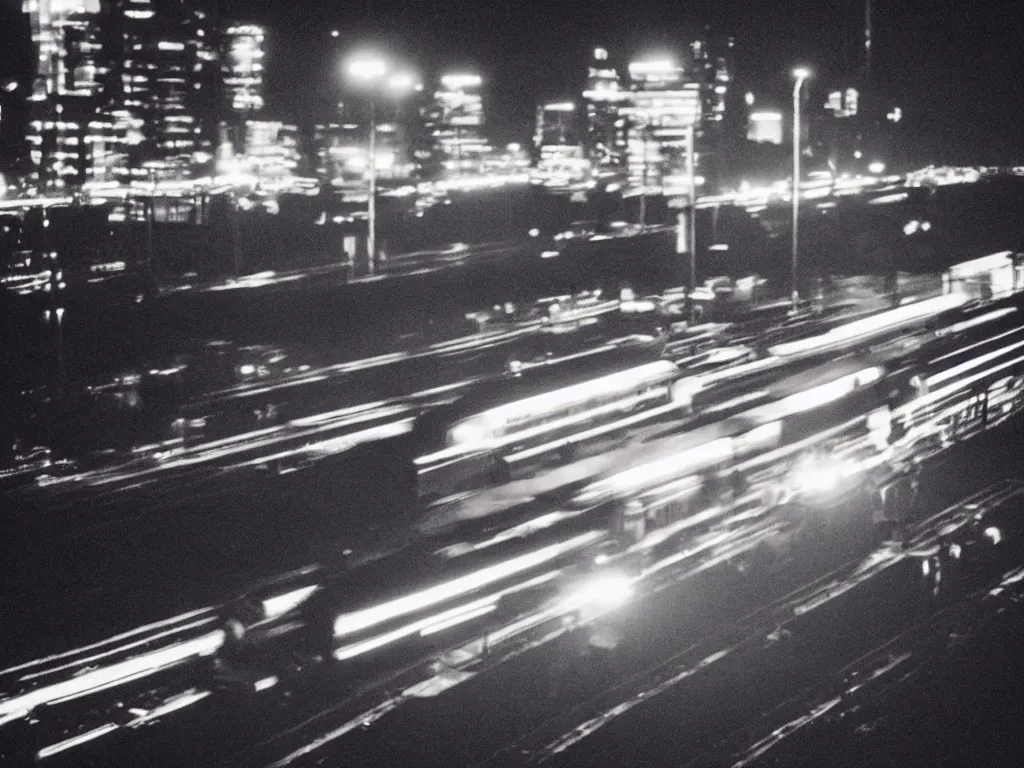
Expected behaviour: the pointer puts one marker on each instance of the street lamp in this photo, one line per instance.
(800, 74)
(7, 86)
(375, 73)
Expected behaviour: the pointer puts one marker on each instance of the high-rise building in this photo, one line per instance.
(606, 130)
(713, 70)
(561, 160)
(664, 107)
(342, 152)
(765, 127)
(556, 126)
(121, 83)
(167, 80)
(452, 141)
(69, 78)
(242, 70)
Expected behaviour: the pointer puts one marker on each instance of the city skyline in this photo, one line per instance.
(951, 102)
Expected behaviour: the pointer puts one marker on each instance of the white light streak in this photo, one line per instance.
(146, 664)
(282, 604)
(350, 623)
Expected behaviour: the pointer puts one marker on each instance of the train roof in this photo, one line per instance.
(864, 329)
(542, 379)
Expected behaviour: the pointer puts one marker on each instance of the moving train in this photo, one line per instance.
(538, 416)
(825, 432)
(478, 438)
(829, 437)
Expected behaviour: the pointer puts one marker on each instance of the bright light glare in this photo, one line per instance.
(458, 82)
(402, 82)
(471, 432)
(658, 66)
(282, 604)
(367, 68)
(350, 623)
(801, 73)
(889, 320)
(994, 535)
(876, 167)
(603, 591)
(821, 476)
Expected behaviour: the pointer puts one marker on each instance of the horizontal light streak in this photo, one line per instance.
(143, 665)
(357, 621)
(183, 618)
(869, 326)
(971, 364)
(121, 649)
(441, 621)
(170, 705)
(63, 746)
(282, 604)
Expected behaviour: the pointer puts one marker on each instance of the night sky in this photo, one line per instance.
(954, 67)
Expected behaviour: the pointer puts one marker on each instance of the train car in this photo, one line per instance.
(914, 317)
(956, 395)
(689, 480)
(430, 599)
(479, 438)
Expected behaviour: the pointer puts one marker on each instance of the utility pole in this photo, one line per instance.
(867, 41)
(643, 184)
(149, 227)
(371, 240)
(692, 168)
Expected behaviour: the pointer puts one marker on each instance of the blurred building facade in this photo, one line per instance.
(606, 128)
(451, 141)
(122, 89)
(69, 78)
(664, 107)
(241, 63)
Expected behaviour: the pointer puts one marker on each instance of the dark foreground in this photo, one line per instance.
(814, 647)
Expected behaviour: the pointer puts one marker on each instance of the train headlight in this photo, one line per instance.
(879, 425)
(994, 535)
(821, 476)
(470, 433)
(600, 592)
(683, 392)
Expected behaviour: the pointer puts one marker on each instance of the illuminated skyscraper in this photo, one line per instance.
(606, 129)
(242, 67)
(713, 70)
(69, 78)
(663, 107)
(242, 71)
(557, 145)
(165, 101)
(452, 141)
(556, 126)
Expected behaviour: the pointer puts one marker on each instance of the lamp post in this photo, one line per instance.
(692, 170)
(800, 74)
(6, 86)
(373, 72)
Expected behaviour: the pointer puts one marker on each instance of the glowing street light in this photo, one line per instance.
(401, 83)
(367, 69)
(7, 86)
(801, 74)
(375, 73)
